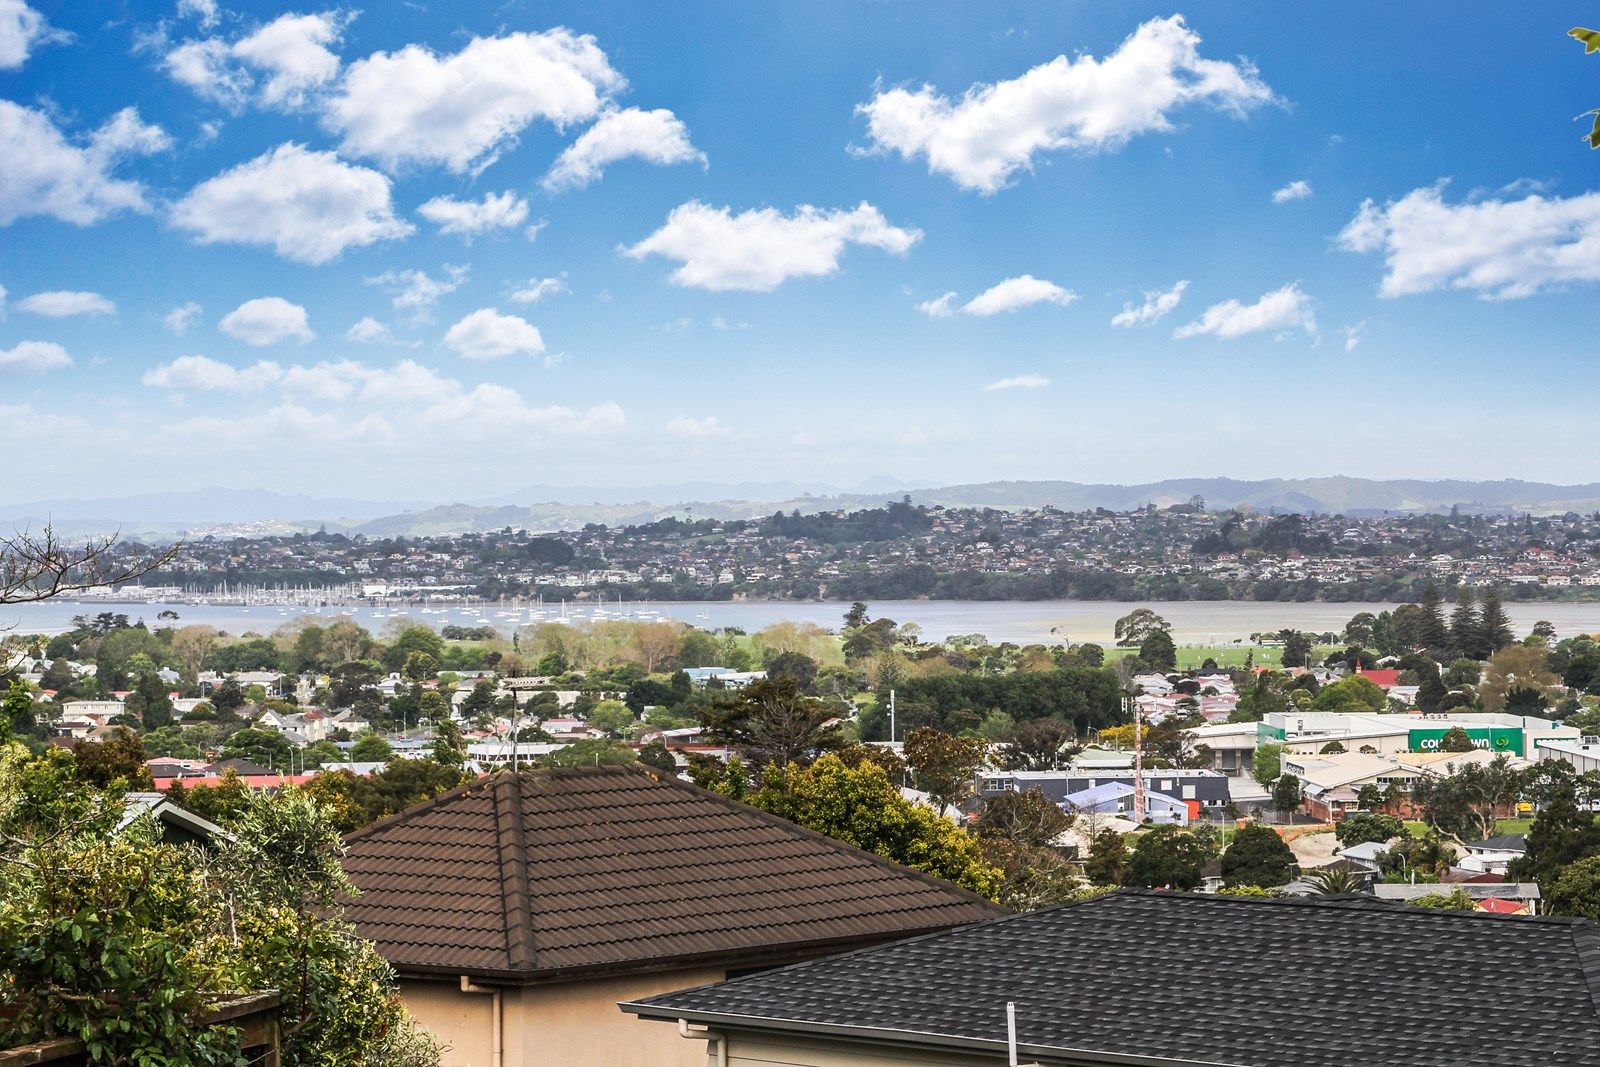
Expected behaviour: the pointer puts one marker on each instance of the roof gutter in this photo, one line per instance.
(1045, 1054)
(497, 1010)
(716, 1043)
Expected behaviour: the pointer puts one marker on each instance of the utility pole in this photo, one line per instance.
(891, 716)
(1138, 760)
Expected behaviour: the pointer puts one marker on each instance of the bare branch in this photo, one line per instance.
(39, 566)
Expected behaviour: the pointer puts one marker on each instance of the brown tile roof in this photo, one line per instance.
(558, 872)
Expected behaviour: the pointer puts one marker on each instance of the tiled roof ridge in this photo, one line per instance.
(515, 894)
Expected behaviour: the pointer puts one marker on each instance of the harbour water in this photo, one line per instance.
(1193, 622)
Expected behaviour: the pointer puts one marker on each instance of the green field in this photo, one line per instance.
(1504, 826)
(1191, 656)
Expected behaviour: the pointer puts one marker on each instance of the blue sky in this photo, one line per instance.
(444, 250)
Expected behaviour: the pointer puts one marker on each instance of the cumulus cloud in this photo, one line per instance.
(21, 27)
(760, 249)
(487, 334)
(1295, 190)
(1354, 335)
(656, 136)
(496, 211)
(34, 357)
(415, 288)
(202, 375)
(939, 307)
(280, 64)
(203, 10)
(1499, 249)
(983, 138)
(697, 429)
(64, 303)
(536, 289)
(46, 174)
(307, 206)
(179, 319)
(267, 320)
(1013, 294)
(461, 110)
(1288, 308)
(1156, 305)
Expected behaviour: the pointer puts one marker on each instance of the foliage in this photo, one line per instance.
(1576, 890)
(1454, 900)
(1367, 827)
(1463, 804)
(1109, 862)
(591, 752)
(942, 766)
(862, 807)
(1456, 739)
(371, 748)
(770, 721)
(1334, 880)
(1286, 794)
(1564, 831)
(1267, 764)
(1258, 856)
(1167, 856)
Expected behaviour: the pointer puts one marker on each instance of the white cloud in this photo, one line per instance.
(308, 206)
(3, 295)
(415, 289)
(45, 174)
(369, 331)
(179, 319)
(1288, 308)
(1500, 249)
(536, 289)
(1354, 335)
(1295, 190)
(982, 139)
(204, 10)
(21, 27)
(461, 110)
(1156, 306)
(203, 375)
(34, 357)
(1021, 381)
(282, 63)
(940, 307)
(267, 320)
(496, 211)
(487, 334)
(63, 303)
(1013, 294)
(697, 429)
(760, 249)
(656, 136)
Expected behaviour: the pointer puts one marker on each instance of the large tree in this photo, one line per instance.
(1167, 856)
(1257, 856)
(943, 766)
(771, 721)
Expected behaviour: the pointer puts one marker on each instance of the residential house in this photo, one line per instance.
(1116, 798)
(1204, 792)
(1494, 854)
(1525, 894)
(1150, 979)
(519, 909)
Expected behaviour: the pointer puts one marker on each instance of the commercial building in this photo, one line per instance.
(1514, 735)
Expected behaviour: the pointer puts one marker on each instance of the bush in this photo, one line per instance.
(1360, 829)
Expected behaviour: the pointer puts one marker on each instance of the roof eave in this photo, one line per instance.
(909, 1039)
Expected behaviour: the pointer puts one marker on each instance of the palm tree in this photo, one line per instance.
(1332, 880)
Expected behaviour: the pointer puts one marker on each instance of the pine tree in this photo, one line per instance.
(1466, 632)
(1433, 633)
(1494, 627)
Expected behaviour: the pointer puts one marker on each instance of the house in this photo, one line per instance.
(1493, 855)
(1116, 798)
(1204, 791)
(517, 910)
(178, 825)
(1522, 893)
(1151, 979)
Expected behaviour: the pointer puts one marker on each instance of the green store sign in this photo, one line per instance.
(1495, 739)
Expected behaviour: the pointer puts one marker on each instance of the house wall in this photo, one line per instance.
(754, 1051)
(560, 1023)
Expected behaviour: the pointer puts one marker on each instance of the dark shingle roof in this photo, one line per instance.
(1502, 842)
(1171, 977)
(551, 873)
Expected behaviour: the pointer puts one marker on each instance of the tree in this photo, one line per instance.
(1158, 651)
(799, 668)
(1431, 632)
(1367, 827)
(1286, 794)
(769, 721)
(862, 807)
(1108, 862)
(1512, 668)
(612, 716)
(267, 748)
(370, 748)
(1456, 739)
(16, 710)
(655, 754)
(1266, 764)
(1258, 856)
(1370, 797)
(591, 752)
(944, 767)
(1296, 647)
(1494, 626)
(113, 763)
(1564, 829)
(1039, 745)
(1466, 631)
(449, 747)
(1167, 856)
(1334, 880)
(1576, 891)
(1133, 628)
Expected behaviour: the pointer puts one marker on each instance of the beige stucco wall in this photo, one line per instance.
(564, 1023)
(749, 1051)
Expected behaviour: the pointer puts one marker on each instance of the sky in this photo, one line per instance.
(440, 251)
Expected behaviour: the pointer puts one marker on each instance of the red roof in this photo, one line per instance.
(1502, 907)
(1386, 679)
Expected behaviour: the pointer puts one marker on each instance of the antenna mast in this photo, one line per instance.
(1138, 760)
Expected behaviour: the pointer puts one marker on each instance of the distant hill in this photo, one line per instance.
(546, 508)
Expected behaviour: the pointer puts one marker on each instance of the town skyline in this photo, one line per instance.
(658, 274)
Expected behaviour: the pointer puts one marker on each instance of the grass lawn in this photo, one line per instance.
(1191, 656)
(1504, 826)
